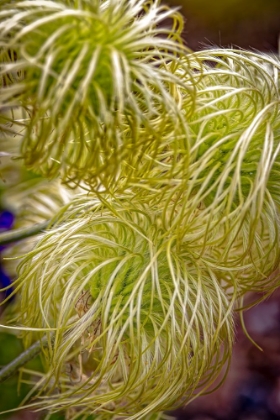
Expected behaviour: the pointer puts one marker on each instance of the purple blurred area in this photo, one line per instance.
(6, 223)
(6, 220)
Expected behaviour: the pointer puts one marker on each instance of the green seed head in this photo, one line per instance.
(97, 82)
(236, 128)
(139, 327)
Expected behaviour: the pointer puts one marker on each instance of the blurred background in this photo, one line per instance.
(249, 24)
(251, 390)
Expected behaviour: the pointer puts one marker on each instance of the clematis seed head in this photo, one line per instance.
(136, 326)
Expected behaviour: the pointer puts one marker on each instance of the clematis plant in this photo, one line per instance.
(151, 174)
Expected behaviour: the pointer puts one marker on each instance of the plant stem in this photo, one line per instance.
(22, 359)
(18, 234)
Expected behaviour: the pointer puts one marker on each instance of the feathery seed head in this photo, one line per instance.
(98, 81)
(227, 158)
(139, 327)
(236, 129)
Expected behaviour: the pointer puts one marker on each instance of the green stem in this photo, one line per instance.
(22, 359)
(18, 234)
